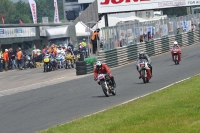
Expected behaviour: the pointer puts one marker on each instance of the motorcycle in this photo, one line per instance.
(144, 68)
(106, 84)
(47, 63)
(175, 52)
(84, 50)
(69, 61)
(60, 60)
(29, 62)
(53, 64)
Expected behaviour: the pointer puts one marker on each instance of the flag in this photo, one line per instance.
(2, 19)
(56, 15)
(20, 21)
(33, 10)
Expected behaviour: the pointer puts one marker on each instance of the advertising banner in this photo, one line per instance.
(137, 32)
(17, 32)
(141, 30)
(130, 35)
(56, 15)
(106, 6)
(189, 24)
(33, 10)
(184, 25)
(150, 29)
(164, 30)
(175, 25)
(122, 34)
(171, 26)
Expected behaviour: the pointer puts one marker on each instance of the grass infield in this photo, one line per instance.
(175, 109)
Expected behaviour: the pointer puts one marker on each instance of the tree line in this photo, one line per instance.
(13, 12)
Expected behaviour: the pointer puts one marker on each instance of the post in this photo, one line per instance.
(64, 11)
(97, 42)
(106, 20)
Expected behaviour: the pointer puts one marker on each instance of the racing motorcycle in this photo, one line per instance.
(53, 64)
(69, 59)
(106, 84)
(60, 60)
(29, 62)
(175, 52)
(84, 50)
(47, 63)
(143, 68)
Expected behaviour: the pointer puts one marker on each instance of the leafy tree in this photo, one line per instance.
(13, 12)
(23, 12)
(7, 9)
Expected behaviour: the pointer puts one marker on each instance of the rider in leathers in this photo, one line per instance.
(103, 69)
(179, 51)
(143, 55)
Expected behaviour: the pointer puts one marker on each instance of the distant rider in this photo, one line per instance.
(143, 55)
(179, 51)
(103, 69)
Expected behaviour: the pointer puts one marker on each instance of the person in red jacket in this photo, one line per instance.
(179, 51)
(103, 69)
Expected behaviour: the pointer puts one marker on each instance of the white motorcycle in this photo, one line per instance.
(143, 67)
(61, 61)
(106, 84)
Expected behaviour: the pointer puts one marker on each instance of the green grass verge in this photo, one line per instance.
(173, 110)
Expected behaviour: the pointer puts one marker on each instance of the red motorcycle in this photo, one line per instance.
(176, 55)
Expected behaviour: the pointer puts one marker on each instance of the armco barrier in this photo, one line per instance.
(123, 55)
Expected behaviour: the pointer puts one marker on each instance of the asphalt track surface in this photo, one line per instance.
(39, 109)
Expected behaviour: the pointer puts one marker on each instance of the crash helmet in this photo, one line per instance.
(141, 54)
(98, 65)
(69, 48)
(175, 43)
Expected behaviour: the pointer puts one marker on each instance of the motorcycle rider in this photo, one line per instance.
(103, 69)
(61, 54)
(179, 51)
(143, 55)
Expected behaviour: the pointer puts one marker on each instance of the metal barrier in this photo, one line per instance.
(129, 33)
(124, 55)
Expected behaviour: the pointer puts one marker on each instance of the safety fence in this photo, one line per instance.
(127, 54)
(133, 32)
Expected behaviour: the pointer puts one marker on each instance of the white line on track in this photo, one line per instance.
(137, 97)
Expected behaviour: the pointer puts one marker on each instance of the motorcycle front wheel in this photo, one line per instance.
(175, 59)
(143, 75)
(103, 86)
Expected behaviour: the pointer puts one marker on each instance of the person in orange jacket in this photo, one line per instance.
(179, 51)
(103, 69)
(19, 58)
(6, 59)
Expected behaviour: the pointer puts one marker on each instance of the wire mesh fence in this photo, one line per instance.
(133, 32)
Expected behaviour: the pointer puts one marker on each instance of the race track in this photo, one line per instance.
(38, 109)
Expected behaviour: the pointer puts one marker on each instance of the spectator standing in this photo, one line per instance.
(10, 59)
(24, 59)
(1, 61)
(34, 55)
(12, 55)
(6, 59)
(193, 27)
(71, 45)
(141, 38)
(19, 58)
(95, 37)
